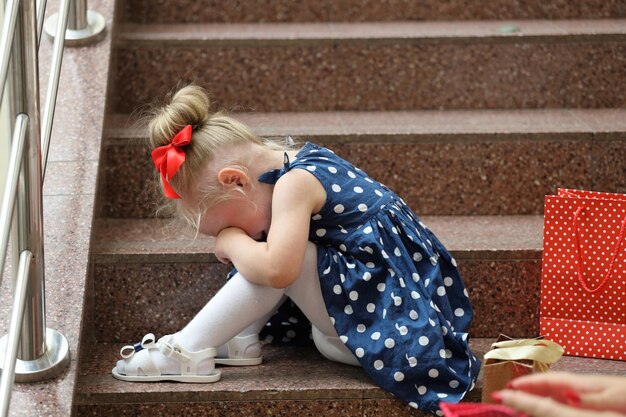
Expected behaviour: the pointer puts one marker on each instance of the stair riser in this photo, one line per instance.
(163, 11)
(157, 298)
(453, 177)
(162, 298)
(284, 408)
(364, 76)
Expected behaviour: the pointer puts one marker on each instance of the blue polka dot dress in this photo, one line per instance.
(391, 288)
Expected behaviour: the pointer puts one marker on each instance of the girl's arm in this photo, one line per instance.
(277, 262)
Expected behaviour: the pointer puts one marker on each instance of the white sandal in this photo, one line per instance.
(238, 350)
(143, 369)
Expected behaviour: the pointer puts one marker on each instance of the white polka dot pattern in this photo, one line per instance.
(583, 306)
(392, 289)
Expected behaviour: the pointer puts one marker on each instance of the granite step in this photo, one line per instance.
(154, 262)
(377, 66)
(193, 11)
(453, 162)
(292, 381)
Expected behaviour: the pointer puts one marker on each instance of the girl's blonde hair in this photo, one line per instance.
(211, 132)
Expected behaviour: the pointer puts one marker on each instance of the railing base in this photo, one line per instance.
(92, 33)
(48, 365)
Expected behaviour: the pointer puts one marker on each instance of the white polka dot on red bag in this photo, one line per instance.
(583, 307)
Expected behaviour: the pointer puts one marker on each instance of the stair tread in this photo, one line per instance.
(130, 34)
(491, 237)
(364, 10)
(291, 373)
(423, 124)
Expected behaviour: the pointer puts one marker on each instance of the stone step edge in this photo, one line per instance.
(414, 126)
(325, 380)
(326, 11)
(515, 237)
(131, 35)
(246, 383)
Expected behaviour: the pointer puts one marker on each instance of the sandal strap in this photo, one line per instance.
(238, 345)
(197, 357)
(176, 351)
(173, 351)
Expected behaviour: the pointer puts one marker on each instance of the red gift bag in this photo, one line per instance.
(583, 275)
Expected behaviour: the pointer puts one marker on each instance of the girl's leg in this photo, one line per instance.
(241, 306)
(238, 305)
(307, 294)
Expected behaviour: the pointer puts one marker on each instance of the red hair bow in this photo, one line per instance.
(169, 158)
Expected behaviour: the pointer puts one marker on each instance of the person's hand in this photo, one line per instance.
(566, 395)
(224, 243)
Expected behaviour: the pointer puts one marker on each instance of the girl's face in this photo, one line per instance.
(249, 207)
(241, 212)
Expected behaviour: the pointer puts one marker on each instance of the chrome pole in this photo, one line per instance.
(77, 19)
(10, 191)
(53, 82)
(84, 26)
(29, 209)
(41, 14)
(14, 88)
(43, 353)
(6, 40)
(19, 304)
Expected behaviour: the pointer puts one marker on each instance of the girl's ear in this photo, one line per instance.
(232, 177)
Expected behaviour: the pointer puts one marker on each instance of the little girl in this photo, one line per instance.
(379, 288)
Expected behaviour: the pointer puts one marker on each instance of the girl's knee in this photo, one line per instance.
(332, 348)
(310, 255)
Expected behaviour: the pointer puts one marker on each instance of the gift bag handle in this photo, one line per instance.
(540, 350)
(620, 239)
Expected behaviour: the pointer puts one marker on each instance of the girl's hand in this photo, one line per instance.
(566, 395)
(224, 243)
(277, 261)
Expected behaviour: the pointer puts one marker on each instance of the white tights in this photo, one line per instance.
(242, 308)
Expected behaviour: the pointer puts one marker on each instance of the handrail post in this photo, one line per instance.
(43, 352)
(6, 380)
(25, 89)
(77, 18)
(83, 26)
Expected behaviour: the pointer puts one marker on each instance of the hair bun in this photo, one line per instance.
(188, 106)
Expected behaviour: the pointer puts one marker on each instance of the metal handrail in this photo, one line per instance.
(33, 352)
(53, 82)
(19, 303)
(41, 12)
(8, 32)
(10, 191)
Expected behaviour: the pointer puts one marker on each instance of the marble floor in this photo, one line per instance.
(69, 194)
